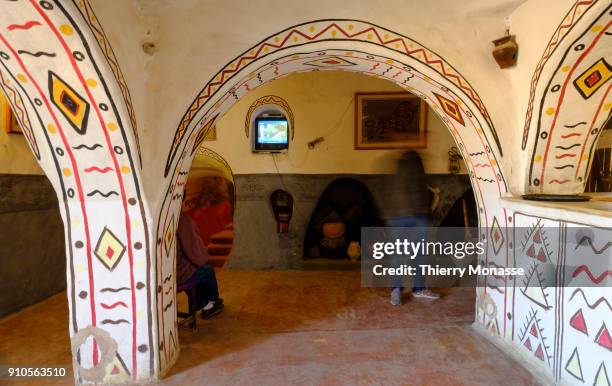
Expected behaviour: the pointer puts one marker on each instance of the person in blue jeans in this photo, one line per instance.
(407, 204)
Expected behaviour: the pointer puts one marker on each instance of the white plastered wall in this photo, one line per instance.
(194, 39)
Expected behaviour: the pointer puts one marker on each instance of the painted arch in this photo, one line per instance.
(62, 80)
(348, 45)
(570, 100)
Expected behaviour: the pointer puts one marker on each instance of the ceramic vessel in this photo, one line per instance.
(354, 250)
(333, 230)
(505, 51)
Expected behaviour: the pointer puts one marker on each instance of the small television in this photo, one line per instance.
(271, 133)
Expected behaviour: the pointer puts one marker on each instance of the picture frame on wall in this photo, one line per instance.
(11, 126)
(390, 120)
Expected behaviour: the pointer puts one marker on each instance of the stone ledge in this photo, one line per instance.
(595, 212)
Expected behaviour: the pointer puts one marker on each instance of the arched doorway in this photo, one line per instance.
(210, 201)
(347, 45)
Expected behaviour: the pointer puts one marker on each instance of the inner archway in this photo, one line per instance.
(346, 45)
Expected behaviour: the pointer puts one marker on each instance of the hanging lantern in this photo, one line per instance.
(505, 50)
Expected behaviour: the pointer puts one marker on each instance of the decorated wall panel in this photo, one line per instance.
(570, 100)
(561, 309)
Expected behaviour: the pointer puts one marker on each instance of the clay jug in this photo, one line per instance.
(333, 230)
(505, 51)
(354, 250)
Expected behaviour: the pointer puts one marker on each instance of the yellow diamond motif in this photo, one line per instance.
(450, 108)
(169, 236)
(72, 106)
(109, 249)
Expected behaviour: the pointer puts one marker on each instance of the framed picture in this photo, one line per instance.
(390, 121)
(11, 125)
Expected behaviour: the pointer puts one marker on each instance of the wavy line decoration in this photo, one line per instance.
(110, 289)
(114, 305)
(556, 181)
(105, 195)
(97, 169)
(591, 305)
(570, 135)
(115, 321)
(565, 155)
(168, 306)
(26, 26)
(83, 146)
(564, 167)
(575, 125)
(37, 54)
(588, 240)
(567, 147)
(593, 278)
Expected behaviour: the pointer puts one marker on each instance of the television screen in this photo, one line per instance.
(272, 134)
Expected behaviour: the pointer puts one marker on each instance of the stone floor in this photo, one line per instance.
(300, 327)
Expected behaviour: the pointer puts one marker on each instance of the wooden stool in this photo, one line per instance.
(188, 318)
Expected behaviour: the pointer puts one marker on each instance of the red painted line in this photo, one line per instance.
(561, 97)
(565, 155)
(594, 279)
(566, 136)
(556, 181)
(26, 26)
(111, 306)
(77, 180)
(97, 169)
(70, 57)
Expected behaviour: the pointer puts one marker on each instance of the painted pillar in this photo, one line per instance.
(570, 101)
(65, 87)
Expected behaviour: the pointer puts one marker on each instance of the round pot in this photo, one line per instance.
(333, 230)
(354, 250)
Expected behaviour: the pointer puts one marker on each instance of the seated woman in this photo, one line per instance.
(191, 267)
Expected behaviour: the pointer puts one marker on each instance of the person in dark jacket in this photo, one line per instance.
(192, 267)
(407, 204)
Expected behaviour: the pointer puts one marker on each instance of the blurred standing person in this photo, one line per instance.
(407, 204)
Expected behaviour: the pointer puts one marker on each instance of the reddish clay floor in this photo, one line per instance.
(300, 327)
